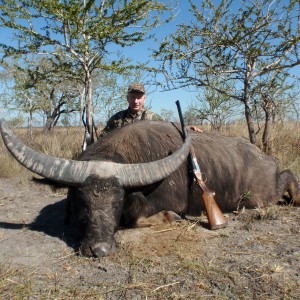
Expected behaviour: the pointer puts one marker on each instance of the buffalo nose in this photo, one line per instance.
(103, 249)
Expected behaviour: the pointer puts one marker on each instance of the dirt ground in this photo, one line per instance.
(256, 257)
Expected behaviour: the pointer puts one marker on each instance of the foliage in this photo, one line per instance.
(167, 115)
(238, 46)
(17, 121)
(39, 86)
(212, 107)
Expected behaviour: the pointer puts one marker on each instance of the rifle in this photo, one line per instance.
(215, 216)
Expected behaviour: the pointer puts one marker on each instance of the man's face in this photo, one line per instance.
(136, 101)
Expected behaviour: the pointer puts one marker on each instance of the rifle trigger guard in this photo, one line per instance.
(204, 177)
(201, 178)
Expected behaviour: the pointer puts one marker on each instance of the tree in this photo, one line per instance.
(83, 35)
(237, 45)
(6, 87)
(9, 96)
(167, 115)
(272, 102)
(40, 87)
(16, 122)
(213, 107)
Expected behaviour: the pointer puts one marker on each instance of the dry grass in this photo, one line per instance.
(65, 143)
(284, 142)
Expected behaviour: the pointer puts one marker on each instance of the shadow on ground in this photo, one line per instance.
(51, 222)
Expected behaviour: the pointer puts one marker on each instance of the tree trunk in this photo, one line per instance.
(248, 114)
(89, 106)
(267, 107)
(82, 98)
(250, 125)
(265, 137)
(48, 124)
(30, 125)
(249, 119)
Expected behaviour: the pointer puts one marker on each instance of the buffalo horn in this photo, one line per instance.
(73, 172)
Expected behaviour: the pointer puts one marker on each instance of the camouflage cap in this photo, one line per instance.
(136, 87)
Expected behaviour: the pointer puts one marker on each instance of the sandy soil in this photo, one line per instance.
(256, 257)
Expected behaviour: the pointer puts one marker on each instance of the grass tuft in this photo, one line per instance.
(271, 212)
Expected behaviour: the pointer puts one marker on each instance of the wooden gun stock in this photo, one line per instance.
(214, 215)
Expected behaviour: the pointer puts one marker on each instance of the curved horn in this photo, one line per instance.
(73, 172)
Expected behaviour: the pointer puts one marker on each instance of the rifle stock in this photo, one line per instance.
(214, 215)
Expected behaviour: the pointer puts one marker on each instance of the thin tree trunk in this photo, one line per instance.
(88, 111)
(267, 107)
(30, 125)
(250, 125)
(248, 114)
(249, 119)
(265, 137)
(81, 107)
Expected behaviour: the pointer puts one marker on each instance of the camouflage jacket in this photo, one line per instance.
(125, 117)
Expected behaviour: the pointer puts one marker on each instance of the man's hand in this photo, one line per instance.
(196, 129)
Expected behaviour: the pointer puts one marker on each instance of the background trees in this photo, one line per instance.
(39, 87)
(212, 107)
(79, 37)
(69, 57)
(239, 46)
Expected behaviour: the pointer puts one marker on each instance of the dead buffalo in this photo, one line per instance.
(137, 171)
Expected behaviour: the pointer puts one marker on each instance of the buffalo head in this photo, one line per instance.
(97, 184)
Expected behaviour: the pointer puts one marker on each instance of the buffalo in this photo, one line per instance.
(142, 169)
